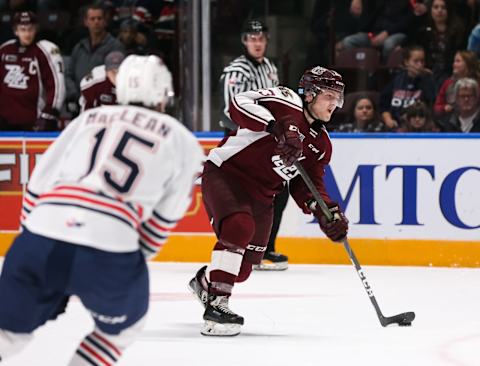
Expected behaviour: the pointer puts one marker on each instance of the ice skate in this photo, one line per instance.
(219, 319)
(198, 285)
(272, 261)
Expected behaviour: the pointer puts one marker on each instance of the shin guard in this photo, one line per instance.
(237, 231)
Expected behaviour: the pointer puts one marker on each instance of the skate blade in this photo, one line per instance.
(210, 328)
(271, 266)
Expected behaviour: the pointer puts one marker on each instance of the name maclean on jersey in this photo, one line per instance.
(135, 118)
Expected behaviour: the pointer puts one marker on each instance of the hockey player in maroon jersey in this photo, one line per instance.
(98, 86)
(243, 174)
(32, 85)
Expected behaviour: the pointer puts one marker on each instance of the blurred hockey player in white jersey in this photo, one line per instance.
(101, 201)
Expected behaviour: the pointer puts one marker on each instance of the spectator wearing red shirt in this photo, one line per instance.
(465, 64)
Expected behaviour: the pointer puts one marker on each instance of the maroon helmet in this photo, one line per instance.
(319, 79)
(24, 18)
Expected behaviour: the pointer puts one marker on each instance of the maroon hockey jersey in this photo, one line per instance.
(97, 89)
(248, 154)
(31, 83)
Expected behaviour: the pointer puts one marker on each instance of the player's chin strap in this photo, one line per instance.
(305, 107)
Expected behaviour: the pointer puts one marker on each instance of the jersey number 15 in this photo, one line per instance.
(118, 154)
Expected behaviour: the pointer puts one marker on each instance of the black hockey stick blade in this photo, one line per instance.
(403, 319)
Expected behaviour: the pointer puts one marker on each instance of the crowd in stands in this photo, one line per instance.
(52, 50)
(420, 58)
(402, 60)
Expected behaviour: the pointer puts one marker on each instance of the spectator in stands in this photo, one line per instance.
(133, 41)
(363, 117)
(98, 86)
(465, 64)
(465, 116)
(332, 18)
(17, 6)
(48, 4)
(474, 40)
(414, 82)
(418, 118)
(32, 84)
(441, 37)
(384, 25)
(90, 51)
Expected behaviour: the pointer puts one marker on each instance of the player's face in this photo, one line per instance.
(26, 33)
(95, 21)
(112, 75)
(364, 110)
(324, 104)
(459, 66)
(256, 44)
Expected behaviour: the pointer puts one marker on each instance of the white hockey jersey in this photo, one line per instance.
(118, 178)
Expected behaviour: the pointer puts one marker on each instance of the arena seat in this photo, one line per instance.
(358, 66)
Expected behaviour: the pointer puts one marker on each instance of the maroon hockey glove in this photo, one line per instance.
(335, 230)
(289, 140)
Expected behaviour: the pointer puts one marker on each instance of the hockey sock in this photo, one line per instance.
(96, 349)
(101, 349)
(245, 271)
(236, 232)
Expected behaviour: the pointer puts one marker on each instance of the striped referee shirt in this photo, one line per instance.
(244, 74)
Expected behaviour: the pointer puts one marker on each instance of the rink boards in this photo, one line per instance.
(411, 200)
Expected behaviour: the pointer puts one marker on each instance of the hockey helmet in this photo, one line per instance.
(318, 79)
(254, 27)
(144, 80)
(24, 18)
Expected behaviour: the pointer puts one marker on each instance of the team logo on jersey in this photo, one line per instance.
(286, 172)
(15, 77)
(73, 223)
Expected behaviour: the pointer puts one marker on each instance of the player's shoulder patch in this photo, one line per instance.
(49, 47)
(289, 96)
(97, 75)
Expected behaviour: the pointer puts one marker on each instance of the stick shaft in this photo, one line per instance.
(346, 244)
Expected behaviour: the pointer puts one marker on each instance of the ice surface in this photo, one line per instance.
(307, 315)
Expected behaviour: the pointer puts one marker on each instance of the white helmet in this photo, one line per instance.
(145, 80)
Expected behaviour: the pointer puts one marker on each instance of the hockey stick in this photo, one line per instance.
(403, 319)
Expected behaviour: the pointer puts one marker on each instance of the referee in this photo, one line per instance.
(252, 71)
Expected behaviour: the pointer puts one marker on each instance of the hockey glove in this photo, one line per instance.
(337, 229)
(289, 142)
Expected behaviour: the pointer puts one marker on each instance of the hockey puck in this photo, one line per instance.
(405, 324)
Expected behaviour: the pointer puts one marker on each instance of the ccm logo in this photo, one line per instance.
(256, 248)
